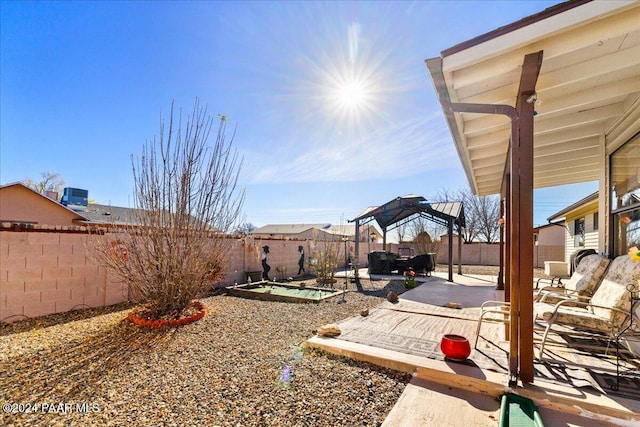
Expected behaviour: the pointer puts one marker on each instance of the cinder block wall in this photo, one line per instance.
(489, 253)
(284, 253)
(45, 272)
(50, 272)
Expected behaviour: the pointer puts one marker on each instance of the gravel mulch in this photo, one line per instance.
(490, 270)
(243, 364)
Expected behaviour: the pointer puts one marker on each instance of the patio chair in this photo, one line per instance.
(606, 313)
(582, 284)
(495, 312)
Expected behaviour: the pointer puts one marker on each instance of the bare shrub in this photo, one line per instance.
(325, 256)
(422, 231)
(423, 244)
(185, 204)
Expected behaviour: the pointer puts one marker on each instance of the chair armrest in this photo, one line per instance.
(492, 305)
(619, 310)
(552, 289)
(586, 305)
(566, 302)
(558, 295)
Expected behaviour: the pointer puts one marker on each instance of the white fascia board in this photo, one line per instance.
(530, 33)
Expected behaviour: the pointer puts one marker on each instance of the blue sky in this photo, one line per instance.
(334, 108)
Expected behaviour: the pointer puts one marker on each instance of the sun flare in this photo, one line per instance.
(351, 94)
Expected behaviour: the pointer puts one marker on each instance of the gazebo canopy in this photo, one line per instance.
(403, 209)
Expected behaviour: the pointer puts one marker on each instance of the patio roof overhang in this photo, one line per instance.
(590, 76)
(568, 80)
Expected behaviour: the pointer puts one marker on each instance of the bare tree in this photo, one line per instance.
(244, 229)
(401, 232)
(486, 213)
(50, 181)
(186, 203)
(481, 214)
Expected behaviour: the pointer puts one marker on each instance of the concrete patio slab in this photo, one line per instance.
(405, 336)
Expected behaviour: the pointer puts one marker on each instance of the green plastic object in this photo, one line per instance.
(518, 411)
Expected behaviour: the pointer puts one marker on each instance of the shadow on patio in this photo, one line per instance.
(405, 336)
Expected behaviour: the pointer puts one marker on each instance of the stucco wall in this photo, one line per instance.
(552, 235)
(19, 204)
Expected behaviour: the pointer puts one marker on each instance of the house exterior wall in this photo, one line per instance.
(18, 204)
(591, 239)
(552, 235)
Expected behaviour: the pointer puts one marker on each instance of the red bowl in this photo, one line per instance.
(455, 347)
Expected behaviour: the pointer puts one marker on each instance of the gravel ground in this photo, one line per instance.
(241, 365)
(490, 270)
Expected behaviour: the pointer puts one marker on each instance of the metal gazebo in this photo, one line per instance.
(402, 210)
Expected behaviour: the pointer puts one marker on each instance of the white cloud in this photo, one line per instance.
(405, 149)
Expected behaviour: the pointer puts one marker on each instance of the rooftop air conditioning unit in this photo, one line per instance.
(75, 199)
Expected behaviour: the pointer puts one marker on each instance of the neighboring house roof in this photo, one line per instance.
(551, 224)
(295, 229)
(107, 214)
(588, 82)
(577, 205)
(349, 230)
(288, 228)
(20, 204)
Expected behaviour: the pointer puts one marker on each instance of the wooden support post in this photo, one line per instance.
(507, 237)
(514, 257)
(500, 286)
(522, 215)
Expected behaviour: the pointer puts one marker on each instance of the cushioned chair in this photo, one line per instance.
(606, 313)
(581, 285)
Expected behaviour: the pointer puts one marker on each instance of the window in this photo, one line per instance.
(625, 197)
(596, 218)
(578, 232)
(627, 225)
